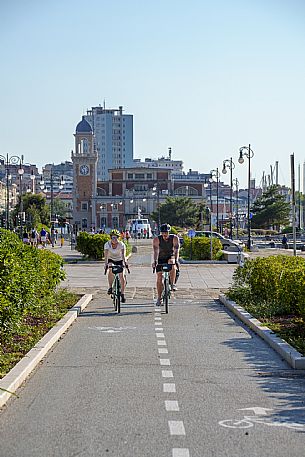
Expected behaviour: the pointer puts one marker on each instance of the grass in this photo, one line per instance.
(33, 328)
(290, 328)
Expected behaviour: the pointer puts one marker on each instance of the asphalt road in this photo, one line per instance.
(191, 383)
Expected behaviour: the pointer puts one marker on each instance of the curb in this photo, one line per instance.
(26, 365)
(291, 355)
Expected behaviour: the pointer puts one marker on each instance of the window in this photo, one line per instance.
(139, 176)
(84, 206)
(115, 222)
(84, 223)
(130, 176)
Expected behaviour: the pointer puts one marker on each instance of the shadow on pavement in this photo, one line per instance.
(272, 374)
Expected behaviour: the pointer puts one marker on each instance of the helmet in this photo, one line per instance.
(114, 232)
(165, 228)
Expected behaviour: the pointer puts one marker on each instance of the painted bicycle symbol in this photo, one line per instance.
(261, 417)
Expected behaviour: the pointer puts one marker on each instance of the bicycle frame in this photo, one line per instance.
(116, 286)
(166, 293)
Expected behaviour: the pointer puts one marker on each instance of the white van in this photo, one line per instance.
(140, 228)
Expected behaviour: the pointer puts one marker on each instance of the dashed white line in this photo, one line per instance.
(158, 319)
(180, 452)
(159, 329)
(171, 405)
(163, 351)
(165, 362)
(160, 335)
(169, 387)
(161, 343)
(167, 374)
(176, 427)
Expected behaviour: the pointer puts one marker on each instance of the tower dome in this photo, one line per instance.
(83, 126)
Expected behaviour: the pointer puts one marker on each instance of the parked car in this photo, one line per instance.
(232, 245)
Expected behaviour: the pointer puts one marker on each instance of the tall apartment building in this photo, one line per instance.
(113, 138)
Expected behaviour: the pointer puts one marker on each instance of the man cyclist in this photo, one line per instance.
(165, 250)
(115, 253)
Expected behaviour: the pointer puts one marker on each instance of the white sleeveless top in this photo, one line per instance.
(115, 253)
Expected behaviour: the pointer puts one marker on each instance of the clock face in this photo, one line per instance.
(84, 170)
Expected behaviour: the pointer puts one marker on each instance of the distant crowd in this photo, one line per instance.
(42, 238)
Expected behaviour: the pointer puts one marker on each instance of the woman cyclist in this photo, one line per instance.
(115, 254)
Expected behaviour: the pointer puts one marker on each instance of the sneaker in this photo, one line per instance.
(174, 287)
(158, 302)
(123, 299)
(109, 291)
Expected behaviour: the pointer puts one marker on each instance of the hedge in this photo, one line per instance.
(200, 248)
(275, 283)
(27, 274)
(92, 246)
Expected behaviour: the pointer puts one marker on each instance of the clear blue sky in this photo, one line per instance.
(204, 77)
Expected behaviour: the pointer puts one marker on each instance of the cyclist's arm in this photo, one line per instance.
(124, 254)
(155, 251)
(176, 246)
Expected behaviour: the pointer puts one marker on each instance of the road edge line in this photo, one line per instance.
(17, 375)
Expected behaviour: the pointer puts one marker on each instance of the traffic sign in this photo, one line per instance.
(191, 233)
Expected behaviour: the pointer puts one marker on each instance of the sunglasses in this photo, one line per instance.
(114, 237)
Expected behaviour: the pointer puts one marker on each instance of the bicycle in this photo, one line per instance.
(116, 285)
(166, 293)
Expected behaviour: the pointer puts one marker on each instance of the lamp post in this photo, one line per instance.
(13, 160)
(228, 163)
(61, 186)
(247, 152)
(236, 218)
(216, 174)
(156, 190)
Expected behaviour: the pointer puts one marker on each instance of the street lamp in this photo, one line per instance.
(13, 160)
(62, 182)
(156, 190)
(235, 181)
(216, 174)
(247, 151)
(228, 163)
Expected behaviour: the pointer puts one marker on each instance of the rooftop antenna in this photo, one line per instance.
(104, 104)
(170, 153)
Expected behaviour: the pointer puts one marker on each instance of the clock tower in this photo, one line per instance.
(84, 160)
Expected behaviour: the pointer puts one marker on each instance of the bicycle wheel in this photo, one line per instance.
(118, 295)
(166, 293)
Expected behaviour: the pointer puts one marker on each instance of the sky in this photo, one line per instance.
(202, 77)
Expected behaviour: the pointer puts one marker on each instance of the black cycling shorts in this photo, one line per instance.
(160, 261)
(116, 262)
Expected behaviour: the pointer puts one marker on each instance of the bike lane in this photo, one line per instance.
(236, 396)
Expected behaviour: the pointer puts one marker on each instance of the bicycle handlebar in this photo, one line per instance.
(110, 266)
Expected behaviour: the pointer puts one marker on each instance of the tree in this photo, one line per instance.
(178, 211)
(36, 209)
(270, 210)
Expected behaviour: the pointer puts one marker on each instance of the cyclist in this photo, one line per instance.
(165, 250)
(115, 253)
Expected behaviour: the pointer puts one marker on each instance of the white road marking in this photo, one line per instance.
(159, 329)
(111, 329)
(169, 387)
(257, 410)
(165, 362)
(176, 428)
(171, 405)
(161, 343)
(167, 374)
(160, 335)
(158, 319)
(163, 351)
(181, 452)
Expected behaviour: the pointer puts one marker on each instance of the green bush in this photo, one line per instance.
(92, 246)
(276, 284)
(200, 248)
(26, 275)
